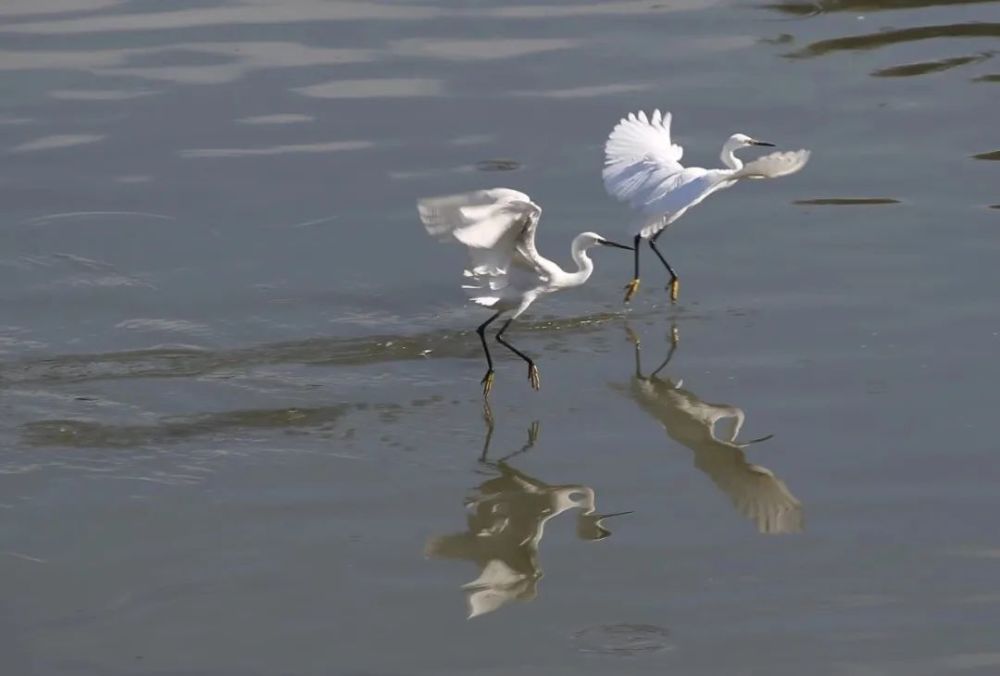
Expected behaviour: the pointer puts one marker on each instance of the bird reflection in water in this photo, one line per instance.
(506, 517)
(755, 491)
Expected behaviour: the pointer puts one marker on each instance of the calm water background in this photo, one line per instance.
(240, 391)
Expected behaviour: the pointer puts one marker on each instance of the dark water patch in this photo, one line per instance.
(925, 67)
(992, 155)
(892, 37)
(991, 77)
(782, 39)
(498, 165)
(831, 6)
(846, 201)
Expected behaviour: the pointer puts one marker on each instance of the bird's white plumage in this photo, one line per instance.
(498, 227)
(642, 168)
(774, 165)
(505, 273)
(637, 137)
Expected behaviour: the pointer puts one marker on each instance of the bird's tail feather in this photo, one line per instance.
(484, 287)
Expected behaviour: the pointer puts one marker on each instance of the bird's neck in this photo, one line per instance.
(732, 422)
(729, 158)
(584, 268)
(568, 497)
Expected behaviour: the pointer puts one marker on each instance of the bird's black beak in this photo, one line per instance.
(608, 242)
(608, 516)
(762, 143)
(589, 526)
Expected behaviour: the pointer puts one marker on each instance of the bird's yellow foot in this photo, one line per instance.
(533, 377)
(487, 383)
(675, 287)
(630, 289)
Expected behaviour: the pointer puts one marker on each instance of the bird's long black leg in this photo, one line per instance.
(488, 419)
(532, 438)
(532, 369)
(675, 283)
(487, 381)
(638, 361)
(670, 352)
(633, 338)
(633, 286)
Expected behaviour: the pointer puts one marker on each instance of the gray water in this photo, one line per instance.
(243, 431)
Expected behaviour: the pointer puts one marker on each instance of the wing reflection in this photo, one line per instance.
(755, 491)
(505, 521)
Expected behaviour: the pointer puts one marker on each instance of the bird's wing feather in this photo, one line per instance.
(639, 155)
(498, 228)
(774, 165)
(478, 219)
(642, 168)
(526, 254)
(754, 490)
(665, 199)
(637, 137)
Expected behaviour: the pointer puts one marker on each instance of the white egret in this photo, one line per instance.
(505, 273)
(642, 167)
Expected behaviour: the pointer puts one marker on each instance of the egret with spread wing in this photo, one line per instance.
(642, 166)
(505, 273)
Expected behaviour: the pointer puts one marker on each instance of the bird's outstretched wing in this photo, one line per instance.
(754, 490)
(639, 155)
(498, 228)
(774, 165)
(642, 167)
(638, 137)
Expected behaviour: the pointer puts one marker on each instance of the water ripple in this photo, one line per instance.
(373, 88)
(925, 67)
(277, 118)
(847, 201)
(815, 7)
(250, 12)
(56, 142)
(173, 362)
(298, 149)
(892, 37)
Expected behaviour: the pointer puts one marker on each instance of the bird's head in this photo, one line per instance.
(590, 526)
(586, 240)
(742, 141)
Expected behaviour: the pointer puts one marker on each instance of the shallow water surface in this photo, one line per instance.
(243, 430)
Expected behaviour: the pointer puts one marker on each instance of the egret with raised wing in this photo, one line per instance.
(642, 166)
(505, 272)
